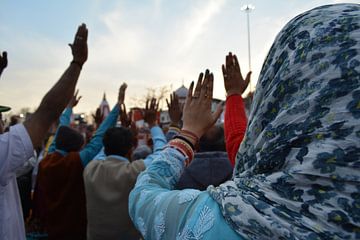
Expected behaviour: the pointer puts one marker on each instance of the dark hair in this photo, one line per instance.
(117, 141)
(68, 139)
(213, 140)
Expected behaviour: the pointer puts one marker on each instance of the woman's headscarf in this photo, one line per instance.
(297, 174)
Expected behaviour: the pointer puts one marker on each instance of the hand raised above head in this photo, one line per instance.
(175, 111)
(150, 112)
(3, 61)
(98, 117)
(79, 47)
(233, 80)
(74, 100)
(121, 96)
(197, 116)
(124, 117)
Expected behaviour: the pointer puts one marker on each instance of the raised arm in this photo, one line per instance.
(235, 117)
(152, 201)
(3, 62)
(157, 134)
(60, 94)
(65, 118)
(95, 145)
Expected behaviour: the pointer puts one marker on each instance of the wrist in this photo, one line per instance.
(151, 125)
(197, 132)
(233, 92)
(175, 124)
(191, 136)
(76, 63)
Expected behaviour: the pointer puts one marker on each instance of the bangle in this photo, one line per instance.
(184, 148)
(190, 135)
(185, 140)
(76, 63)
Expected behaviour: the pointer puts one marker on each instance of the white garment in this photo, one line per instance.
(15, 148)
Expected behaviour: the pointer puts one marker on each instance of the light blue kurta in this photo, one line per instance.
(159, 212)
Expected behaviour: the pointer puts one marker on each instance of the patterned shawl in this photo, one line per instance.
(297, 174)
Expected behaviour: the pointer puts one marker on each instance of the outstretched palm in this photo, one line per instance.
(233, 80)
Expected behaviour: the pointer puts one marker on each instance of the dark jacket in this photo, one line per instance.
(207, 168)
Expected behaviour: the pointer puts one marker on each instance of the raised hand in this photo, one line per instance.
(233, 80)
(79, 47)
(121, 96)
(175, 112)
(3, 61)
(74, 100)
(150, 112)
(124, 117)
(197, 116)
(98, 117)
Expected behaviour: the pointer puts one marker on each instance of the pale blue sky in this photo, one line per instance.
(146, 43)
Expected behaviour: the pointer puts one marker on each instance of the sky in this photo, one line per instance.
(145, 43)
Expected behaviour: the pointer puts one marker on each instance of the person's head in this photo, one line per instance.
(213, 140)
(68, 139)
(118, 141)
(141, 152)
(14, 119)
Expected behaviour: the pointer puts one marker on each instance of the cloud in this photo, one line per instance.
(197, 23)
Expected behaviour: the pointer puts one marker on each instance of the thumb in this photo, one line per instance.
(247, 80)
(218, 112)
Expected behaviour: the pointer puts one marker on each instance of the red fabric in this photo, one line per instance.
(235, 125)
(61, 182)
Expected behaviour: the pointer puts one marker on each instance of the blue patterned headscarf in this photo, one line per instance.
(297, 174)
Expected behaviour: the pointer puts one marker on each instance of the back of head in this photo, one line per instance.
(213, 140)
(117, 141)
(141, 152)
(69, 140)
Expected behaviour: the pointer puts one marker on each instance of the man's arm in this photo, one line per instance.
(60, 94)
(159, 141)
(95, 145)
(65, 118)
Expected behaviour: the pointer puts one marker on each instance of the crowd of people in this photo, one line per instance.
(289, 170)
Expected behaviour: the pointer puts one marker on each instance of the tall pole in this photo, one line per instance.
(248, 8)
(248, 34)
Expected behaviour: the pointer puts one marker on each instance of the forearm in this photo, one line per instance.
(235, 125)
(158, 138)
(52, 105)
(65, 119)
(95, 145)
(172, 132)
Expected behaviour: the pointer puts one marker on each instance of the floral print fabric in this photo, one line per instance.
(297, 174)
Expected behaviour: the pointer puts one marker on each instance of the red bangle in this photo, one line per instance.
(184, 148)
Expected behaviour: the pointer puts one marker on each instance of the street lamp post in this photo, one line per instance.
(248, 8)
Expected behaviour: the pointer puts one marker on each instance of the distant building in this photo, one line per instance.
(181, 93)
(104, 107)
